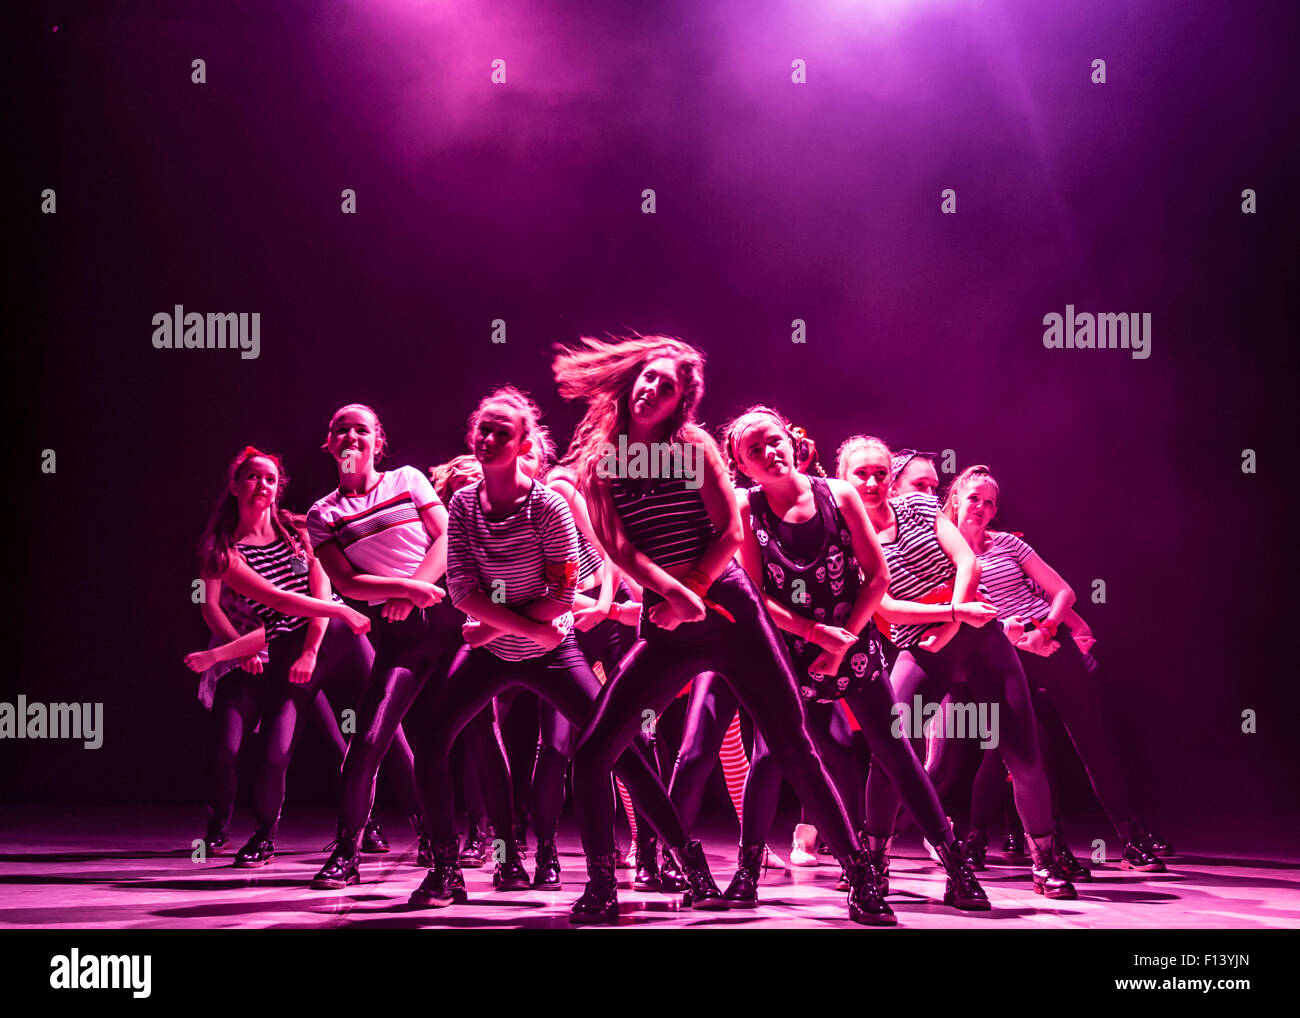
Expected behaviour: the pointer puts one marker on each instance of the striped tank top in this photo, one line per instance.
(283, 567)
(664, 518)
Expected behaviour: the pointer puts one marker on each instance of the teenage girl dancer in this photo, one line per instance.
(448, 478)
(513, 568)
(606, 615)
(258, 550)
(381, 538)
(930, 562)
(808, 544)
(1033, 601)
(676, 537)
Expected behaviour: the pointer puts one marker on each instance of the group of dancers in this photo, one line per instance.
(571, 598)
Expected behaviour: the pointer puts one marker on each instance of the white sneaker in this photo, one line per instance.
(627, 862)
(803, 849)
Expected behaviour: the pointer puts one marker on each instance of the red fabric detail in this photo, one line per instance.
(562, 574)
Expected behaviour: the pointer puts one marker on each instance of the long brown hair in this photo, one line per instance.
(601, 373)
(219, 537)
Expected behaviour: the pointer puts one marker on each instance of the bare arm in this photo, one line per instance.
(582, 520)
(362, 586)
(867, 550)
(751, 560)
(319, 585)
(213, 614)
(243, 579)
(968, 567)
(241, 646)
(1058, 591)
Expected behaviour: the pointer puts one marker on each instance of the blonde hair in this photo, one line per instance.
(517, 400)
(448, 478)
(956, 491)
(855, 444)
(381, 437)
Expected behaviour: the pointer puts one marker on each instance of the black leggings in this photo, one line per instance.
(538, 766)
(752, 658)
(406, 654)
(986, 660)
(241, 699)
(1064, 689)
(873, 707)
(562, 677)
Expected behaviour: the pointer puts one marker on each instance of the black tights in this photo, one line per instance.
(538, 766)
(562, 677)
(241, 699)
(985, 658)
(406, 654)
(752, 658)
(1063, 690)
(872, 706)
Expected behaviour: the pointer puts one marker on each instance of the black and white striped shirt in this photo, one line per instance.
(664, 518)
(1010, 588)
(282, 567)
(918, 565)
(513, 560)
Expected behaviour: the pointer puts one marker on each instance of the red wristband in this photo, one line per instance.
(698, 583)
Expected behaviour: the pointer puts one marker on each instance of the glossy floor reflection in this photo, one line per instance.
(77, 869)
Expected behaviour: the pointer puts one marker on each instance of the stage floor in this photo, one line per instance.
(74, 869)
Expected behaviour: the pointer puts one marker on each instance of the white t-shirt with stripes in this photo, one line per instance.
(517, 558)
(1010, 588)
(918, 565)
(379, 532)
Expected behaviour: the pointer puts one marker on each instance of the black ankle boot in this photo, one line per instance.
(976, 847)
(867, 904)
(217, 839)
(548, 865)
(701, 891)
(742, 892)
(1049, 879)
(424, 846)
(877, 850)
(647, 862)
(372, 838)
(599, 901)
(963, 890)
(444, 884)
(1157, 845)
(340, 868)
(258, 851)
(1013, 845)
(1138, 852)
(473, 855)
(1074, 870)
(510, 874)
(671, 880)
(1141, 848)
(520, 833)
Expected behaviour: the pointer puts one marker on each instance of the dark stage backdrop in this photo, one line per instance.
(774, 201)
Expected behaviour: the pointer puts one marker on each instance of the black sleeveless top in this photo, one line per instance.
(820, 580)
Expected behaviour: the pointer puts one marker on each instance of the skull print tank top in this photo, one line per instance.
(820, 584)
